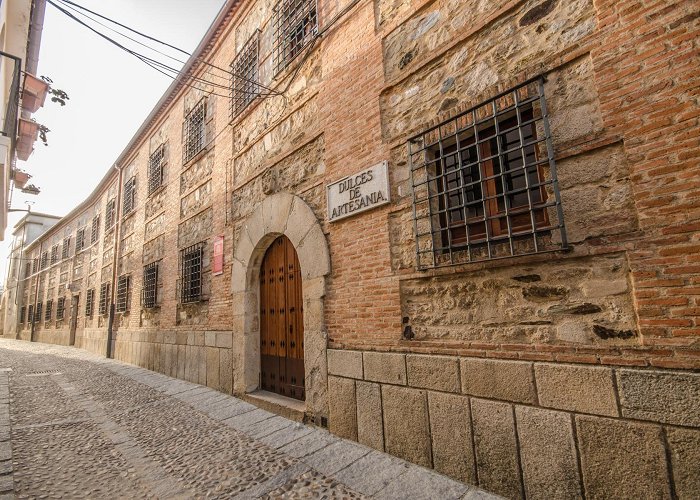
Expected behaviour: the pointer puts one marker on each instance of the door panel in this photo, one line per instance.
(281, 321)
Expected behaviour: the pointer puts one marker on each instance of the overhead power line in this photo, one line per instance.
(159, 66)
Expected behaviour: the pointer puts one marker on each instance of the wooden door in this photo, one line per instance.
(281, 321)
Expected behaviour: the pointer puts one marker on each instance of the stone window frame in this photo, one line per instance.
(89, 302)
(194, 131)
(484, 182)
(65, 252)
(110, 213)
(79, 239)
(129, 197)
(191, 279)
(123, 302)
(245, 75)
(156, 169)
(54, 254)
(49, 310)
(295, 26)
(95, 229)
(103, 306)
(60, 308)
(150, 298)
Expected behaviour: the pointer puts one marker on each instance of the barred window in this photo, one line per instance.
(123, 293)
(80, 239)
(54, 254)
(27, 269)
(110, 213)
(66, 248)
(129, 197)
(191, 273)
(194, 131)
(296, 25)
(35, 265)
(49, 307)
(89, 303)
(245, 78)
(149, 293)
(30, 314)
(95, 230)
(60, 308)
(22, 314)
(44, 260)
(156, 169)
(485, 183)
(37, 314)
(104, 299)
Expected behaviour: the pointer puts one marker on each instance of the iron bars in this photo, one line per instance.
(194, 131)
(295, 26)
(123, 293)
(485, 183)
(89, 303)
(149, 293)
(191, 289)
(129, 197)
(156, 169)
(245, 76)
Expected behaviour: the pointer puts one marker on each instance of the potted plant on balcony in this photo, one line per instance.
(20, 178)
(34, 93)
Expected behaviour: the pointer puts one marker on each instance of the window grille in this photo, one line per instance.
(49, 307)
(194, 129)
(27, 269)
(191, 273)
(66, 248)
(110, 213)
(30, 314)
(80, 239)
(485, 183)
(37, 314)
(156, 169)
(104, 299)
(35, 265)
(296, 25)
(54, 254)
(44, 260)
(60, 308)
(129, 197)
(123, 293)
(22, 314)
(149, 294)
(245, 77)
(89, 302)
(95, 230)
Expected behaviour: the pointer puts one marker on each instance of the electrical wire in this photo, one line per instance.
(155, 64)
(199, 58)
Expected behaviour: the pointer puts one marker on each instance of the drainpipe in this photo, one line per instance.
(115, 258)
(36, 28)
(36, 291)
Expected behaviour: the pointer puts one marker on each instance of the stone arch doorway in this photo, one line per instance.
(277, 215)
(281, 321)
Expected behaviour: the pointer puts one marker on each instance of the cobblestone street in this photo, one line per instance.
(84, 426)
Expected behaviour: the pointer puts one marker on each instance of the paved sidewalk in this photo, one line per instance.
(85, 426)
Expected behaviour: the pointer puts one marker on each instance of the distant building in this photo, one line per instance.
(467, 235)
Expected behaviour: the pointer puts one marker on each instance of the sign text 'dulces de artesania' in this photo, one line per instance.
(359, 192)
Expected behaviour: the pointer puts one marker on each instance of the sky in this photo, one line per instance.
(111, 94)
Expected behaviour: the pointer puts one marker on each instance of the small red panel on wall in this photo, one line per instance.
(218, 267)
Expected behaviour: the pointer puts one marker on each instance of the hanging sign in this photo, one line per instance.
(359, 192)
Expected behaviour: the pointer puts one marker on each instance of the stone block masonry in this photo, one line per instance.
(562, 431)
